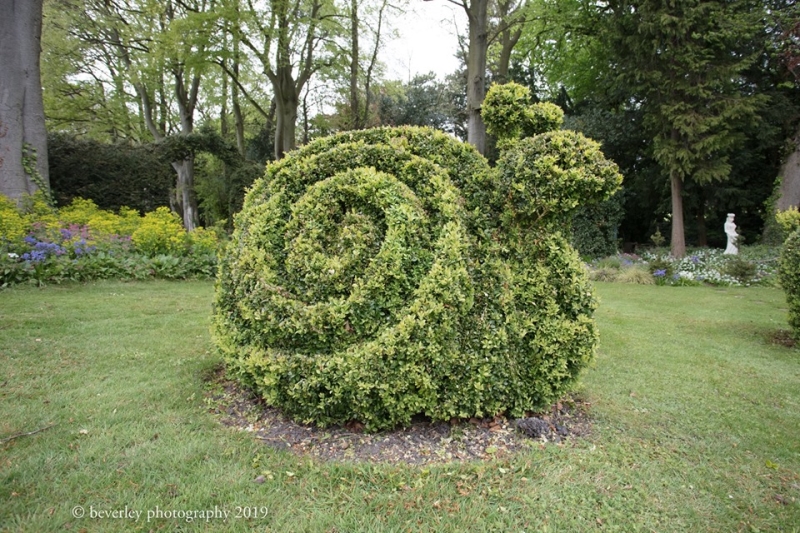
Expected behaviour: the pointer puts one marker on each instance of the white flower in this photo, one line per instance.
(13, 256)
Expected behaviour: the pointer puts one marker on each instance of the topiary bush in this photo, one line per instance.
(381, 274)
(789, 276)
(546, 178)
(510, 114)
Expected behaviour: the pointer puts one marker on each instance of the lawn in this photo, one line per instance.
(696, 410)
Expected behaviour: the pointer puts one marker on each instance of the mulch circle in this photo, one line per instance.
(423, 442)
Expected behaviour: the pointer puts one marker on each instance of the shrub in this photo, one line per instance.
(604, 274)
(38, 211)
(160, 233)
(741, 269)
(661, 267)
(369, 277)
(203, 241)
(13, 226)
(128, 221)
(594, 228)
(546, 178)
(789, 276)
(611, 262)
(43, 245)
(101, 223)
(755, 265)
(509, 114)
(788, 220)
(111, 175)
(635, 274)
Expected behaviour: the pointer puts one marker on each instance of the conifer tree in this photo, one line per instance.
(682, 60)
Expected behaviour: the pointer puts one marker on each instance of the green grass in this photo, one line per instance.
(697, 427)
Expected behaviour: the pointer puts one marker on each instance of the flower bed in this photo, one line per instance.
(82, 242)
(755, 265)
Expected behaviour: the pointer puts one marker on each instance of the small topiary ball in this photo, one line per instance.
(546, 178)
(789, 277)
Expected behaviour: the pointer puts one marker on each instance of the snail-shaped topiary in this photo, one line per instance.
(373, 276)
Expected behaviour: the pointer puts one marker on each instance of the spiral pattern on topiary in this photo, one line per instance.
(369, 279)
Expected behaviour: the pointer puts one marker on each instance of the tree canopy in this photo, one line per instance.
(695, 100)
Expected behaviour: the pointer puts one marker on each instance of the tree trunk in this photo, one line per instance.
(22, 125)
(790, 179)
(185, 192)
(367, 82)
(287, 102)
(476, 72)
(678, 242)
(237, 110)
(186, 98)
(285, 128)
(509, 36)
(354, 99)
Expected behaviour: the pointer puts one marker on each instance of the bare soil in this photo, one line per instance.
(423, 442)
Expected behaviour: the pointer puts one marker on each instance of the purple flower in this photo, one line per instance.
(695, 259)
(66, 234)
(660, 273)
(30, 239)
(35, 256)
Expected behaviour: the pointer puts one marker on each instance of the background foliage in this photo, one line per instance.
(81, 242)
(111, 175)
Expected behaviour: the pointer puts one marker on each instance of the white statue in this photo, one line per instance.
(730, 231)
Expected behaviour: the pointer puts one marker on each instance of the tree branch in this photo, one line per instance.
(18, 435)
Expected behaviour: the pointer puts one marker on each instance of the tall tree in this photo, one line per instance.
(788, 45)
(288, 37)
(86, 87)
(366, 20)
(508, 21)
(160, 45)
(684, 61)
(487, 21)
(423, 101)
(23, 137)
(477, 50)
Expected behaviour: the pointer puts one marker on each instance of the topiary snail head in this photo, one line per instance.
(545, 174)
